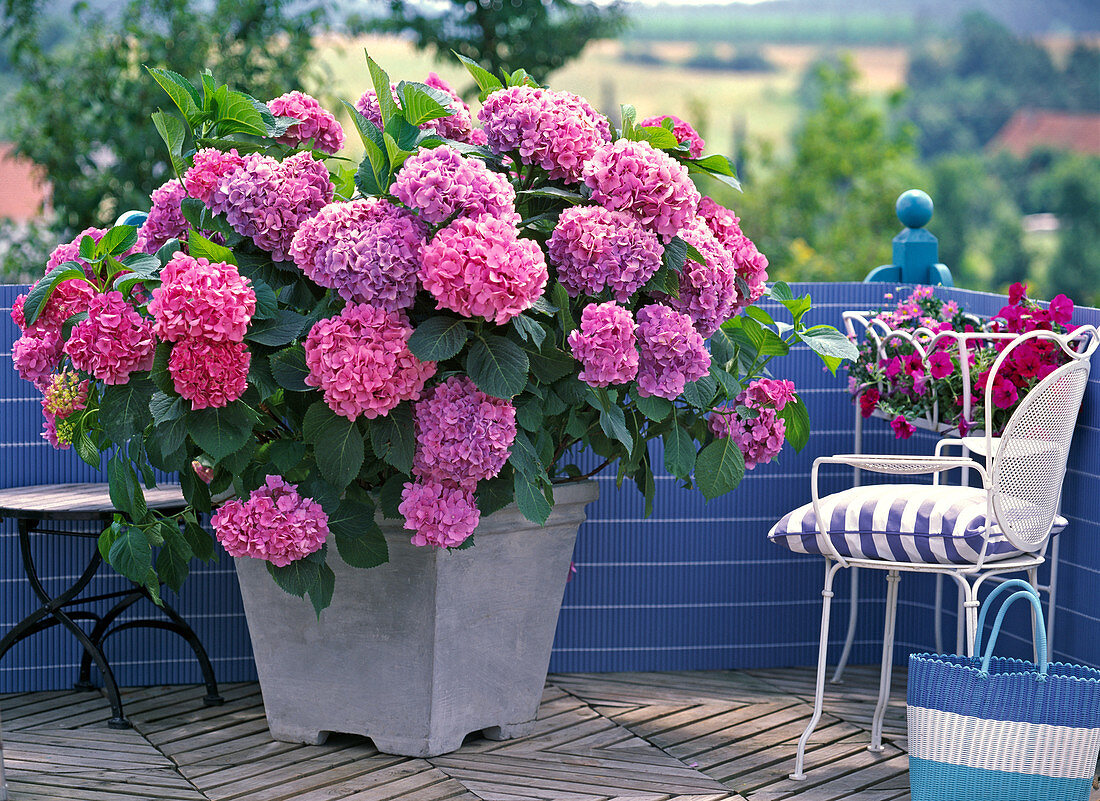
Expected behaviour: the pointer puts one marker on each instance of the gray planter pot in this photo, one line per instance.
(425, 649)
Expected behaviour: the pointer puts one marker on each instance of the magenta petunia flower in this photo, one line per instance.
(208, 167)
(462, 434)
(595, 248)
(684, 133)
(113, 342)
(903, 429)
(650, 184)
(480, 268)
(439, 514)
(209, 374)
(165, 220)
(367, 250)
(275, 524)
(200, 299)
(360, 359)
(673, 353)
(316, 123)
(708, 292)
(557, 131)
(606, 345)
(440, 182)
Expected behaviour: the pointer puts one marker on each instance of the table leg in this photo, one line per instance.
(84, 682)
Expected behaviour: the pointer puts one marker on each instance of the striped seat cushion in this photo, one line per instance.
(899, 522)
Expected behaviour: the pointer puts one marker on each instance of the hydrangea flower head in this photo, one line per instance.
(557, 131)
(70, 251)
(208, 166)
(596, 248)
(113, 342)
(650, 184)
(460, 125)
(759, 438)
(316, 123)
(200, 299)
(68, 298)
(209, 374)
(708, 292)
(165, 220)
(65, 394)
(35, 355)
(462, 434)
(367, 250)
(606, 345)
(479, 267)
(683, 132)
(440, 182)
(751, 265)
(275, 524)
(438, 513)
(765, 393)
(360, 359)
(367, 105)
(672, 352)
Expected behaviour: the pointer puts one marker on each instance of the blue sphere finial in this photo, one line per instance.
(914, 208)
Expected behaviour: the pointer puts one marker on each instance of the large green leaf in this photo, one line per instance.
(438, 338)
(41, 291)
(358, 538)
(719, 467)
(173, 561)
(679, 452)
(201, 247)
(123, 487)
(131, 555)
(653, 407)
(383, 89)
(320, 595)
(531, 499)
(796, 417)
(831, 345)
(220, 432)
(124, 409)
(701, 393)
(422, 103)
(288, 367)
(239, 114)
(337, 444)
(298, 577)
(183, 94)
(282, 329)
(171, 130)
(497, 366)
(393, 437)
(486, 81)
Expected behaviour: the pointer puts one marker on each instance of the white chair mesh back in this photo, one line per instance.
(1031, 462)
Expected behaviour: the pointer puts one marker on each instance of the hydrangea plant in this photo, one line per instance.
(481, 306)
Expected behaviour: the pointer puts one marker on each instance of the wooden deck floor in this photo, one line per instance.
(700, 736)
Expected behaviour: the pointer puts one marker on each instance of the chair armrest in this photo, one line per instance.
(902, 465)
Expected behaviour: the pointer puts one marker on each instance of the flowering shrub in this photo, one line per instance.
(458, 324)
(897, 383)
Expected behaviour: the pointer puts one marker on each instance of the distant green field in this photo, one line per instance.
(753, 24)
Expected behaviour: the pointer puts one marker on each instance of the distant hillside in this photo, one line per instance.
(855, 21)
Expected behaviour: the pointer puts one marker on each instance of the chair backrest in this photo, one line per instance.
(1029, 463)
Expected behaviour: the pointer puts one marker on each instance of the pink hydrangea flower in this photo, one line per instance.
(56, 432)
(768, 392)
(209, 374)
(360, 359)
(750, 264)
(165, 220)
(458, 127)
(606, 345)
(275, 524)
(316, 123)
(647, 182)
(672, 352)
(367, 250)
(441, 182)
(367, 105)
(479, 267)
(208, 167)
(684, 133)
(596, 248)
(113, 342)
(200, 299)
(267, 200)
(759, 438)
(68, 298)
(438, 514)
(558, 131)
(70, 251)
(708, 292)
(462, 434)
(65, 394)
(36, 355)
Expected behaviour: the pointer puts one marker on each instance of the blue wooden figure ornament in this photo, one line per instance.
(916, 251)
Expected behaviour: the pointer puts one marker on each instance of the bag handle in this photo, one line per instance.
(1000, 588)
(1040, 630)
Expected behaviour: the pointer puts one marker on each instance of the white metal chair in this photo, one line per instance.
(967, 533)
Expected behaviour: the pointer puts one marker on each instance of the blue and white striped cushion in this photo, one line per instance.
(899, 522)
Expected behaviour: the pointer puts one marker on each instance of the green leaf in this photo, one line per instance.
(171, 435)
(494, 494)
(781, 291)
(220, 432)
(486, 81)
(498, 367)
(282, 329)
(202, 248)
(675, 254)
(238, 114)
(613, 423)
(663, 282)
(550, 364)
(86, 449)
(359, 540)
(389, 496)
(288, 366)
(438, 338)
(529, 413)
(393, 437)
(718, 167)
(117, 240)
(722, 346)
(719, 468)
(629, 115)
(422, 103)
(529, 330)
(701, 393)
(655, 135)
(525, 458)
(199, 539)
(108, 538)
(679, 452)
(337, 444)
(173, 561)
(797, 419)
(183, 94)
(532, 499)
(171, 130)
(166, 407)
(131, 555)
(41, 291)
(125, 492)
(320, 595)
(653, 407)
(260, 376)
(298, 577)
(124, 409)
(831, 345)
(383, 89)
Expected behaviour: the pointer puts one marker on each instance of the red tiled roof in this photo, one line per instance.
(23, 189)
(1029, 130)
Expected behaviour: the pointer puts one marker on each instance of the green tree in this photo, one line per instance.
(503, 34)
(82, 108)
(828, 212)
(1075, 195)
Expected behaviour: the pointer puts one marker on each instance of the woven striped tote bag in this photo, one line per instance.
(995, 729)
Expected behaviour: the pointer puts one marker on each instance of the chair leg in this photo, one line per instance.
(939, 613)
(1052, 589)
(971, 605)
(960, 622)
(893, 577)
(853, 614)
(819, 686)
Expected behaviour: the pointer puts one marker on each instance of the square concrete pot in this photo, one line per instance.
(425, 649)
